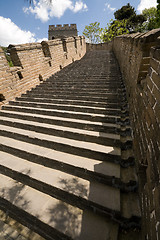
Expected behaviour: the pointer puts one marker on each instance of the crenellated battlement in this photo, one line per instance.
(62, 31)
(63, 27)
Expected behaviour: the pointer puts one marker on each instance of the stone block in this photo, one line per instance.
(154, 64)
(156, 94)
(155, 53)
(156, 79)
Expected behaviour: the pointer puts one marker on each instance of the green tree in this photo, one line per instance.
(133, 20)
(93, 32)
(114, 28)
(151, 18)
(150, 13)
(125, 12)
(158, 13)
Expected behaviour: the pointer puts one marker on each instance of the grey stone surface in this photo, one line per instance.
(53, 170)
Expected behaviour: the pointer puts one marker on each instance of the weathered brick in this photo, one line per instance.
(156, 94)
(157, 111)
(156, 79)
(156, 53)
(144, 103)
(30, 60)
(149, 82)
(150, 97)
(154, 63)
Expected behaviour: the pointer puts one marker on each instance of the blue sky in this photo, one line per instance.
(22, 23)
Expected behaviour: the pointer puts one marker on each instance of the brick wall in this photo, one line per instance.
(35, 62)
(8, 79)
(139, 59)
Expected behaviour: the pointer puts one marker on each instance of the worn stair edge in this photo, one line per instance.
(36, 216)
(68, 102)
(111, 180)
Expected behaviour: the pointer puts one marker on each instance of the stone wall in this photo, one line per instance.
(35, 62)
(139, 59)
(60, 31)
(101, 46)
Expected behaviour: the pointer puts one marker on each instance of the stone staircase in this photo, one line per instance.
(66, 162)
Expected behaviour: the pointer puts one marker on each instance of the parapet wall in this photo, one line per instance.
(101, 46)
(139, 59)
(35, 62)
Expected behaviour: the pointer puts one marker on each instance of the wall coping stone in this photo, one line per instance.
(23, 47)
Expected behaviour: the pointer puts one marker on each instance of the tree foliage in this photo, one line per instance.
(93, 32)
(152, 16)
(124, 12)
(149, 13)
(158, 13)
(7, 55)
(114, 28)
(151, 19)
(133, 20)
(126, 21)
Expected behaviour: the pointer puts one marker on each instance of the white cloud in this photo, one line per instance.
(42, 39)
(10, 33)
(40, 10)
(146, 4)
(108, 6)
(44, 11)
(58, 7)
(80, 6)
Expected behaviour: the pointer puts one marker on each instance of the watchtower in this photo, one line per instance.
(60, 31)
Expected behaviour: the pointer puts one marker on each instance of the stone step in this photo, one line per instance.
(81, 86)
(81, 129)
(76, 147)
(82, 193)
(81, 98)
(73, 108)
(83, 78)
(103, 138)
(80, 166)
(129, 183)
(109, 94)
(72, 102)
(62, 121)
(66, 114)
(66, 159)
(58, 103)
(53, 218)
(73, 89)
(63, 186)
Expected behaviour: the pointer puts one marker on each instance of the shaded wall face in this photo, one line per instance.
(35, 62)
(53, 34)
(139, 59)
